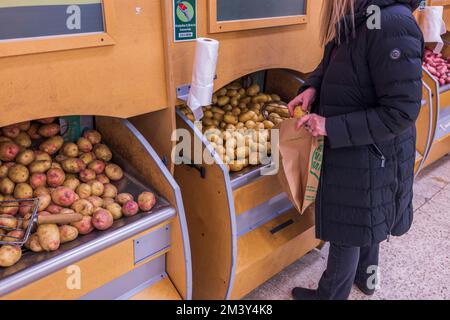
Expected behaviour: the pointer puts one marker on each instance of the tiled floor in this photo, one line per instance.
(415, 266)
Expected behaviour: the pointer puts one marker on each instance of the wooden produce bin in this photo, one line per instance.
(243, 229)
(112, 68)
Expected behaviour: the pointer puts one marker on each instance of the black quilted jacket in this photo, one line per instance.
(370, 91)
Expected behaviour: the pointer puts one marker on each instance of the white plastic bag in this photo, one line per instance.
(433, 26)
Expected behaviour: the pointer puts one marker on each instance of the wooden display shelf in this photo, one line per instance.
(109, 263)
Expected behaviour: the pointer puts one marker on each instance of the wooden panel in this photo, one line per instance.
(95, 271)
(123, 80)
(208, 216)
(162, 290)
(248, 51)
(262, 254)
(125, 142)
(256, 193)
(285, 83)
(440, 148)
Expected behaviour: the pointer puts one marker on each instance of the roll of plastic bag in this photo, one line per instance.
(203, 74)
(433, 26)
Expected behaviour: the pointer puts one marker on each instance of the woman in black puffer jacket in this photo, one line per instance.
(364, 97)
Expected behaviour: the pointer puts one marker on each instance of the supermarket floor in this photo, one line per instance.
(415, 266)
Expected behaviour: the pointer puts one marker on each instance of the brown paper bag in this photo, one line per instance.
(300, 164)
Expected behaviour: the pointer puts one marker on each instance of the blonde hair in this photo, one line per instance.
(333, 13)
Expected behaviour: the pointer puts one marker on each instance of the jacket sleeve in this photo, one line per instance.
(315, 79)
(394, 57)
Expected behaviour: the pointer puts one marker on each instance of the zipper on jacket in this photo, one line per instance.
(380, 155)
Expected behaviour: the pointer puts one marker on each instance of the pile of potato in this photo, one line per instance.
(236, 126)
(66, 177)
(438, 66)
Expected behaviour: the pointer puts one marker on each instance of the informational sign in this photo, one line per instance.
(21, 19)
(185, 20)
(231, 10)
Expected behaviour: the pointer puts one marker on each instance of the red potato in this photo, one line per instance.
(84, 145)
(110, 191)
(25, 208)
(55, 177)
(87, 157)
(60, 158)
(103, 179)
(123, 198)
(11, 131)
(96, 201)
(40, 191)
(23, 191)
(114, 172)
(70, 150)
(25, 157)
(56, 165)
(9, 255)
(84, 226)
(52, 145)
(33, 131)
(102, 219)
(73, 165)
(49, 130)
(146, 201)
(8, 151)
(38, 180)
(84, 207)
(24, 126)
(97, 166)
(97, 188)
(13, 207)
(8, 222)
(46, 120)
(42, 156)
(18, 173)
(87, 175)
(93, 136)
(84, 191)
(63, 196)
(54, 209)
(13, 236)
(7, 186)
(67, 233)
(23, 140)
(48, 235)
(130, 208)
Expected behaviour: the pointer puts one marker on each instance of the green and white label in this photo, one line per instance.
(185, 20)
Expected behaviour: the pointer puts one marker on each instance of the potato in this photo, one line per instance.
(97, 188)
(63, 196)
(73, 165)
(6, 186)
(25, 157)
(236, 166)
(253, 90)
(299, 113)
(114, 172)
(23, 140)
(102, 219)
(70, 150)
(87, 175)
(18, 173)
(123, 198)
(67, 233)
(8, 221)
(60, 158)
(49, 130)
(8, 151)
(33, 243)
(84, 145)
(88, 157)
(96, 201)
(23, 191)
(107, 202)
(14, 236)
(52, 145)
(102, 152)
(223, 101)
(48, 235)
(97, 166)
(44, 202)
(110, 191)
(247, 116)
(11, 131)
(55, 177)
(25, 208)
(93, 136)
(84, 191)
(146, 201)
(231, 119)
(4, 168)
(42, 156)
(33, 131)
(71, 183)
(9, 255)
(47, 120)
(40, 191)
(83, 207)
(130, 208)
(84, 226)
(40, 166)
(54, 208)
(222, 92)
(116, 210)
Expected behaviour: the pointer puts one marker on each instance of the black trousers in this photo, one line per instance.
(347, 265)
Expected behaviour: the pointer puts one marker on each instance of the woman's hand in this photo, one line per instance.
(314, 124)
(305, 100)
